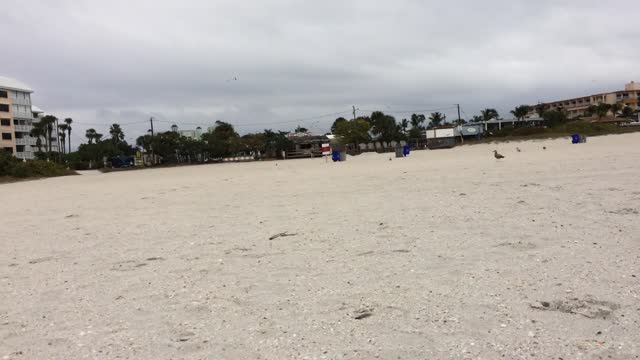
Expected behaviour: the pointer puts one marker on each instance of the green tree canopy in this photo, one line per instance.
(384, 126)
(615, 108)
(404, 125)
(627, 112)
(602, 110)
(489, 114)
(117, 135)
(90, 134)
(335, 123)
(520, 112)
(436, 119)
(353, 131)
(554, 118)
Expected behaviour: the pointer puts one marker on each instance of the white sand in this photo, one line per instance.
(448, 250)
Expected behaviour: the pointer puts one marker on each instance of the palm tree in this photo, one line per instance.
(521, 111)
(615, 108)
(68, 121)
(477, 119)
(627, 112)
(436, 119)
(117, 135)
(404, 124)
(488, 114)
(90, 134)
(47, 123)
(37, 131)
(417, 121)
(602, 110)
(541, 109)
(98, 137)
(62, 134)
(591, 110)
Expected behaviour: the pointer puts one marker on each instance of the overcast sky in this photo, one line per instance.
(123, 61)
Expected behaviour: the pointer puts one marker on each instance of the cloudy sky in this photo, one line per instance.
(123, 61)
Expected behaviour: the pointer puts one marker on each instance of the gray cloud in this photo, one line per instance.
(125, 61)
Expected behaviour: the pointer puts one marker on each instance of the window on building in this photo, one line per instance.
(20, 148)
(6, 136)
(4, 107)
(8, 149)
(5, 122)
(3, 94)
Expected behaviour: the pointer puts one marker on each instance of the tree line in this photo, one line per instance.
(224, 141)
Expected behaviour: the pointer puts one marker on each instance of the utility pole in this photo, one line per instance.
(354, 112)
(153, 157)
(460, 123)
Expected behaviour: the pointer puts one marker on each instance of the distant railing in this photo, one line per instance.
(23, 114)
(26, 141)
(23, 128)
(18, 101)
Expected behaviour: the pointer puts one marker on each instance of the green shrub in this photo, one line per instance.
(6, 163)
(589, 128)
(13, 167)
(527, 131)
(21, 170)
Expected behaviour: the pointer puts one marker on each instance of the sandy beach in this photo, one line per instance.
(447, 254)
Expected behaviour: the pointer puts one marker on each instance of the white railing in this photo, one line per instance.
(23, 128)
(22, 114)
(20, 101)
(26, 141)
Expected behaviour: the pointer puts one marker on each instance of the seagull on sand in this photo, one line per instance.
(497, 155)
(544, 148)
(518, 149)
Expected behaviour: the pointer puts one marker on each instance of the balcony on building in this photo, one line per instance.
(21, 101)
(27, 141)
(22, 115)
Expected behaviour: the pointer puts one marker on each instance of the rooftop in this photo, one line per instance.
(13, 84)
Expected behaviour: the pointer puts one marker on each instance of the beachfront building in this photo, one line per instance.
(305, 145)
(17, 118)
(577, 107)
(191, 134)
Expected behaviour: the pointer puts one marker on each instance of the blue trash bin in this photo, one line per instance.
(575, 139)
(407, 150)
(335, 155)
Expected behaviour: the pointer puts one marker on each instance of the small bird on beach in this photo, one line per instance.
(518, 149)
(497, 155)
(544, 148)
